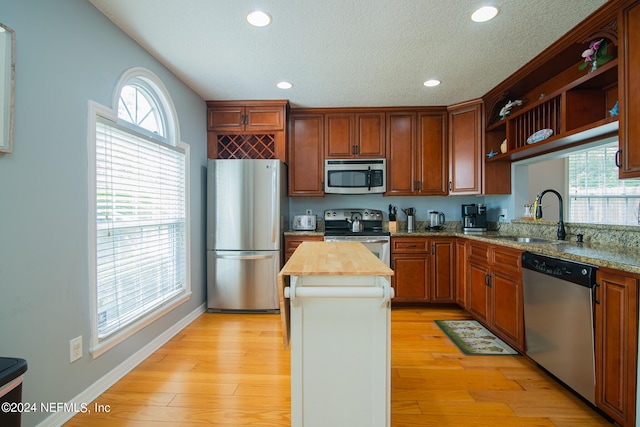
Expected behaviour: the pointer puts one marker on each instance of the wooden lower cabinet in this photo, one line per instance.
(494, 286)
(461, 272)
(411, 277)
(478, 289)
(423, 269)
(291, 243)
(616, 325)
(442, 287)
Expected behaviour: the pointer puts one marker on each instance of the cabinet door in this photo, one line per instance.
(370, 135)
(461, 272)
(629, 91)
(306, 169)
(478, 295)
(431, 154)
(264, 118)
(508, 317)
(465, 148)
(339, 135)
(229, 118)
(401, 138)
(411, 275)
(616, 345)
(442, 287)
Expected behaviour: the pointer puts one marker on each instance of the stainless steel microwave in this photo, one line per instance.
(355, 176)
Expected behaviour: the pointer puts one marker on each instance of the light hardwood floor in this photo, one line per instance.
(231, 370)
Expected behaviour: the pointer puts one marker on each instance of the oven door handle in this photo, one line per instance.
(357, 241)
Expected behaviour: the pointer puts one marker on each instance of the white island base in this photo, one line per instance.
(340, 339)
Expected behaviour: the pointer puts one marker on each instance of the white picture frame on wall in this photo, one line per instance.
(7, 77)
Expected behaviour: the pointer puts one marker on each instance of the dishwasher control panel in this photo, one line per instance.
(582, 274)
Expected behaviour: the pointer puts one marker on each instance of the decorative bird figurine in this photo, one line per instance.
(506, 110)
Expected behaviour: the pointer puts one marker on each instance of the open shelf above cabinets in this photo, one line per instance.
(577, 113)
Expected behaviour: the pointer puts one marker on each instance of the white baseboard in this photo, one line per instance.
(101, 385)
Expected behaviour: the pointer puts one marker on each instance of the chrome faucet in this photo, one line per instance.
(561, 233)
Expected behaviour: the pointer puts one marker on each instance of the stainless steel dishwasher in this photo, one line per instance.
(558, 319)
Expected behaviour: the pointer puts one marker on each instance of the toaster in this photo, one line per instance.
(304, 222)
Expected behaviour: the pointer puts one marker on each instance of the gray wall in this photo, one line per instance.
(68, 53)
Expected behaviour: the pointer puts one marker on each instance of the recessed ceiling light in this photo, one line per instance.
(259, 18)
(484, 14)
(431, 83)
(284, 85)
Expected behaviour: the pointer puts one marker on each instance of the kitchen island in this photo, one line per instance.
(335, 305)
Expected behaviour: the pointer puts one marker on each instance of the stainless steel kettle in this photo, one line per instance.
(436, 219)
(356, 225)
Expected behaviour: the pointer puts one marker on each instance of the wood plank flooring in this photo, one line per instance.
(231, 370)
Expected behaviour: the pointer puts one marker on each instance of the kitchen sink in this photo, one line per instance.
(525, 239)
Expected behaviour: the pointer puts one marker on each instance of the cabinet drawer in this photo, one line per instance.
(291, 243)
(409, 245)
(479, 251)
(506, 259)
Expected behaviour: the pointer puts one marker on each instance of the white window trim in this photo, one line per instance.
(98, 347)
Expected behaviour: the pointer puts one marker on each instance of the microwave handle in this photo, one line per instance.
(369, 179)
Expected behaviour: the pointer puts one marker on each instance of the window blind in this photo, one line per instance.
(596, 194)
(140, 225)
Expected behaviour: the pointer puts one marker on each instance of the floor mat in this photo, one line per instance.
(474, 339)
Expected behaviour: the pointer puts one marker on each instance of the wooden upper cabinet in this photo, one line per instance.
(247, 129)
(416, 153)
(246, 116)
(466, 156)
(401, 141)
(629, 90)
(370, 134)
(305, 149)
(354, 135)
(338, 129)
(431, 158)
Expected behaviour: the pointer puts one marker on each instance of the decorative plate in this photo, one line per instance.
(540, 135)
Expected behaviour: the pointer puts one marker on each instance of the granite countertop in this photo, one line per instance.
(621, 258)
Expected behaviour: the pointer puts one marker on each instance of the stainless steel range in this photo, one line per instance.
(358, 225)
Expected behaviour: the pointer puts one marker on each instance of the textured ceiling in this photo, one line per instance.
(345, 52)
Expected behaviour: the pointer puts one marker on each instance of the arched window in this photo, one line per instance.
(140, 195)
(138, 106)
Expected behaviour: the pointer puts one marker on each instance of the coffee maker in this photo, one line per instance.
(474, 217)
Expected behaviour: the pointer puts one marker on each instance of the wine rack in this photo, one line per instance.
(246, 146)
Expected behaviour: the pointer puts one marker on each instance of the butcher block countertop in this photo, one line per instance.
(334, 259)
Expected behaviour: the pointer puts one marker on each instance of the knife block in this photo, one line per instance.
(393, 226)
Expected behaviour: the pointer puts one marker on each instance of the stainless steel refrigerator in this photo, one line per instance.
(246, 216)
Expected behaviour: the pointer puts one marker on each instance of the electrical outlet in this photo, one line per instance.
(503, 215)
(309, 212)
(75, 349)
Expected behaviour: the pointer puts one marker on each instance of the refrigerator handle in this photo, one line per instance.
(275, 190)
(244, 256)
